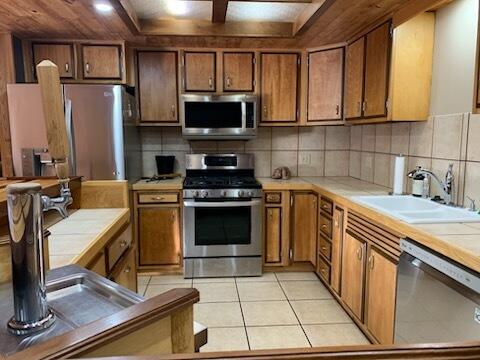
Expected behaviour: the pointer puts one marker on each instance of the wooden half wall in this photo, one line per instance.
(7, 76)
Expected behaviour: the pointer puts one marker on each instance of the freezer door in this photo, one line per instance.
(97, 127)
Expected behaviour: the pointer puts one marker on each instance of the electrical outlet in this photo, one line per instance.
(305, 159)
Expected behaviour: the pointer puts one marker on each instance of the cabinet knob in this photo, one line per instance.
(324, 227)
(158, 198)
(87, 68)
(123, 243)
(324, 248)
(127, 270)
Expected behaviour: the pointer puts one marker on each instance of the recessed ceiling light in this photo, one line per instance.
(177, 7)
(103, 7)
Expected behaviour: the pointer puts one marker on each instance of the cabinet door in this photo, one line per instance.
(376, 71)
(126, 274)
(354, 65)
(238, 72)
(98, 265)
(380, 301)
(325, 85)
(60, 54)
(101, 61)
(157, 74)
(337, 241)
(279, 87)
(304, 227)
(273, 235)
(199, 71)
(159, 235)
(353, 268)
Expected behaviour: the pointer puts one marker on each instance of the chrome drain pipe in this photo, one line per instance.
(25, 220)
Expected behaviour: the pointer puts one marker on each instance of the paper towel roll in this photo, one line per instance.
(399, 175)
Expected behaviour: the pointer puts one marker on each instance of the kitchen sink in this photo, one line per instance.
(415, 210)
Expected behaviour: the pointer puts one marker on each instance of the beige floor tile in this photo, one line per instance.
(294, 275)
(217, 292)
(260, 291)
(153, 290)
(143, 280)
(266, 277)
(226, 314)
(230, 280)
(276, 337)
(226, 339)
(319, 312)
(265, 313)
(335, 334)
(169, 279)
(141, 289)
(305, 290)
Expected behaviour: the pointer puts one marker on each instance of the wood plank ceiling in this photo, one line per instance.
(322, 22)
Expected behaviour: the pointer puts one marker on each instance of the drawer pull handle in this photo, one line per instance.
(67, 67)
(123, 243)
(158, 198)
(324, 248)
(324, 227)
(371, 261)
(210, 82)
(127, 270)
(173, 111)
(87, 68)
(359, 253)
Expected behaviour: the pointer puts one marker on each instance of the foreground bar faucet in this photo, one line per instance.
(25, 215)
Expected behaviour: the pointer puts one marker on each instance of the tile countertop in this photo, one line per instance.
(168, 184)
(78, 238)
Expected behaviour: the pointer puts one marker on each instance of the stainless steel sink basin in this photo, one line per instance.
(415, 210)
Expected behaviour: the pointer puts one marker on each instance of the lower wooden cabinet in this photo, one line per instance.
(158, 217)
(304, 226)
(98, 265)
(380, 295)
(276, 228)
(353, 274)
(125, 273)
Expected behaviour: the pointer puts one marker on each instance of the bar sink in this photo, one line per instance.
(415, 210)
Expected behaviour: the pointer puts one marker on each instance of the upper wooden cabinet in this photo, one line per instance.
(61, 55)
(101, 61)
(354, 64)
(199, 71)
(325, 85)
(394, 67)
(157, 74)
(238, 71)
(279, 77)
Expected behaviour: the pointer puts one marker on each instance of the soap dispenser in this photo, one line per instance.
(418, 185)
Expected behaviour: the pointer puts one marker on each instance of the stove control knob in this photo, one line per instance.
(241, 193)
(195, 193)
(204, 194)
(250, 194)
(223, 193)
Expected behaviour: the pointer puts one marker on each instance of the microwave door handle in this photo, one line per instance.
(244, 115)
(207, 204)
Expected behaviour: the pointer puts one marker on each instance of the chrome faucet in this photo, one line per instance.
(61, 202)
(25, 220)
(446, 185)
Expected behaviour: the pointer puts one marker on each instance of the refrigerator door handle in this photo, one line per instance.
(71, 137)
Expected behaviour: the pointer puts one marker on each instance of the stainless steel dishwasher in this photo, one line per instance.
(438, 300)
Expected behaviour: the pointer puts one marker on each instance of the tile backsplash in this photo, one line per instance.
(307, 151)
(433, 144)
(365, 152)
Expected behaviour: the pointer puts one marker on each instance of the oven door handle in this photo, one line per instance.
(207, 204)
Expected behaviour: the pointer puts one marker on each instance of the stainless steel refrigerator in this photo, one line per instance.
(104, 139)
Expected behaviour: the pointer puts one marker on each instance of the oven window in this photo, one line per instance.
(213, 114)
(222, 226)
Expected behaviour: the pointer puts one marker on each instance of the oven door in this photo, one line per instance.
(222, 228)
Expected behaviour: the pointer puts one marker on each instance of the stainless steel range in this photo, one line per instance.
(222, 229)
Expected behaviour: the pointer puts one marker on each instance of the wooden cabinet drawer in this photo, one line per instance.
(326, 226)
(323, 269)
(325, 248)
(125, 273)
(117, 248)
(157, 198)
(326, 205)
(273, 198)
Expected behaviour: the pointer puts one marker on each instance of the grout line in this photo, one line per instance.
(291, 307)
(243, 317)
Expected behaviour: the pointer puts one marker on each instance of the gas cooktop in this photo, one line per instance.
(221, 182)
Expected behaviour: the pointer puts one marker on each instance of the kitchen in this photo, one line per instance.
(238, 176)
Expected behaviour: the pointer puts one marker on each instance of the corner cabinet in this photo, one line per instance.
(157, 74)
(158, 219)
(388, 72)
(279, 88)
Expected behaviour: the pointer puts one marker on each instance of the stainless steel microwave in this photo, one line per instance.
(219, 116)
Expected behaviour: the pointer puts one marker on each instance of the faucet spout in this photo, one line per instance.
(446, 185)
(59, 203)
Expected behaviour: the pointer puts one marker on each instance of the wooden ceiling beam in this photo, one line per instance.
(127, 13)
(415, 7)
(219, 11)
(207, 28)
(309, 15)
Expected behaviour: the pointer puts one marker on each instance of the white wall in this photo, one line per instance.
(454, 58)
